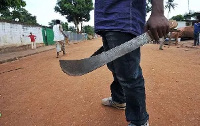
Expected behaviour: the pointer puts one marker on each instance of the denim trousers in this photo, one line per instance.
(196, 39)
(128, 82)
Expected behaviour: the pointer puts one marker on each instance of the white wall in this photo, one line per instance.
(17, 34)
(181, 24)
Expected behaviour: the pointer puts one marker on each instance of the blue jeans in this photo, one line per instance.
(128, 85)
(196, 39)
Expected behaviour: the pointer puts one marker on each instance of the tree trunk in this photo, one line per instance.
(77, 28)
(76, 25)
(81, 27)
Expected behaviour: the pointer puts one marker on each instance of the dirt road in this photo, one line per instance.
(35, 92)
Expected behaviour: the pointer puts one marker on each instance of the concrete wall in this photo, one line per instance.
(181, 24)
(17, 34)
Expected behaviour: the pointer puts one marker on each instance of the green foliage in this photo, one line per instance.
(178, 17)
(6, 4)
(65, 26)
(72, 28)
(19, 13)
(186, 16)
(148, 6)
(170, 5)
(51, 23)
(76, 11)
(89, 30)
(190, 14)
(6, 14)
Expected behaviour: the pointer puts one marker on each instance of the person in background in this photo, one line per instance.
(33, 43)
(59, 37)
(119, 21)
(197, 31)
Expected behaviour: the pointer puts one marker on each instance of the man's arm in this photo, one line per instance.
(158, 24)
(61, 30)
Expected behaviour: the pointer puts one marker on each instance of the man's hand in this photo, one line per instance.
(158, 25)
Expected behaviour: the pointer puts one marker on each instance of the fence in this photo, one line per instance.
(75, 36)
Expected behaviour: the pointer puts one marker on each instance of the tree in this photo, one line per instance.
(148, 6)
(65, 26)
(6, 14)
(7, 4)
(89, 30)
(51, 23)
(24, 16)
(72, 28)
(188, 16)
(178, 17)
(76, 11)
(19, 13)
(170, 5)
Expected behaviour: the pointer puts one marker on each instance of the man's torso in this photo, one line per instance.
(120, 15)
(32, 37)
(197, 28)
(58, 36)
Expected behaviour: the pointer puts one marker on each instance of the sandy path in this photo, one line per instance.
(40, 94)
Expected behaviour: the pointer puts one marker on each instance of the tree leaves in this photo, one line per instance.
(19, 13)
(75, 11)
(170, 5)
(6, 4)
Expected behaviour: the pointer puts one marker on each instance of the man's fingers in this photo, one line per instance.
(164, 31)
(167, 30)
(154, 34)
(160, 32)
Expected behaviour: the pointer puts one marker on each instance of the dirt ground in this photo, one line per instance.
(35, 92)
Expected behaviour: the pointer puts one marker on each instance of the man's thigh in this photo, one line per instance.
(126, 66)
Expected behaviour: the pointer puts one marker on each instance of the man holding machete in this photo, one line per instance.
(118, 21)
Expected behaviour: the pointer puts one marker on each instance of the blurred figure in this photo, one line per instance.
(59, 38)
(197, 31)
(33, 43)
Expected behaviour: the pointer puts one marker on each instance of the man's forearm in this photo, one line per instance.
(64, 34)
(157, 7)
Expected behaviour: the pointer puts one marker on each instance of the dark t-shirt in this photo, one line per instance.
(120, 15)
(197, 28)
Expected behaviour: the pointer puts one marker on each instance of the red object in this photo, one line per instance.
(32, 37)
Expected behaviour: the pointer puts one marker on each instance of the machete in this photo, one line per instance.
(83, 66)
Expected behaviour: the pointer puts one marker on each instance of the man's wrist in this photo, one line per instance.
(157, 8)
(157, 14)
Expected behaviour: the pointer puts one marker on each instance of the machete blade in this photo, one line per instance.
(83, 66)
(80, 67)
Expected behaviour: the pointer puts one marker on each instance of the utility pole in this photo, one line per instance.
(189, 6)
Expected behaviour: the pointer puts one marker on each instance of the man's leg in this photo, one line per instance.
(161, 41)
(129, 75)
(117, 92)
(57, 49)
(195, 39)
(63, 47)
(32, 46)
